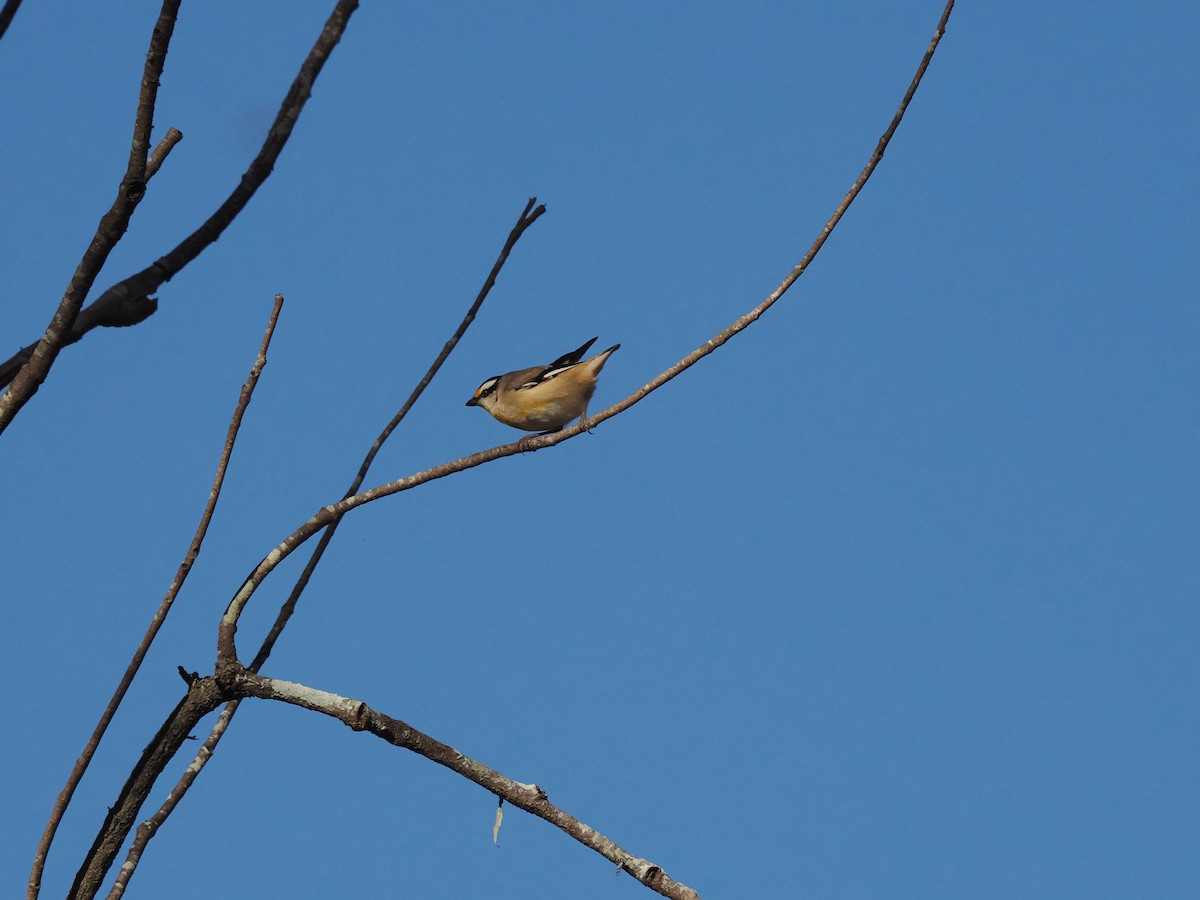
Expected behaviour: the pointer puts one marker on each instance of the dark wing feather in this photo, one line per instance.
(560, 365)
(569, 359)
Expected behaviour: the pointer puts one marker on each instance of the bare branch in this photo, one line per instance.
(202, 697)
(150, 827)
(526, 219)
(528, 797)
(226, 649)
(128, 301)
(147, 830)
(111, 229)
(7, 13)
(233, 680)
(160, 615)
(743, 322)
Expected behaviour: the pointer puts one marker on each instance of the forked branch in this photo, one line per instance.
(39, 357)
(234, 680)
(129, 302)
(226, 649)
(149, 828)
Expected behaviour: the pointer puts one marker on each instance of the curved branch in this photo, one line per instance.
(128, 301)
(113, 225)
(226, 647)
(529, 797)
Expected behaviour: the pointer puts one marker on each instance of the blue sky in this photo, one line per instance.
(894, 595)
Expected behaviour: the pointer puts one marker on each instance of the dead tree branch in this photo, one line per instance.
(203, 697)
(529, 797)
(146, 831)
(113, 225)
(233, 680)
(128, 301)
(160, 615)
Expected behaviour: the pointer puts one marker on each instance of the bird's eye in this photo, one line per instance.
(487, 388)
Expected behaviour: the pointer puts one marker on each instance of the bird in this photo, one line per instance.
(544, 398)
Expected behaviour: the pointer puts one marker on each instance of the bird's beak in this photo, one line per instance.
(473, 402)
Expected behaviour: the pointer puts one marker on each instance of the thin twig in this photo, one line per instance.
(743, 322)
(111, 229)
(128, 301)
(148, 829)
(529, 797)
(160, 615)
(526, 219)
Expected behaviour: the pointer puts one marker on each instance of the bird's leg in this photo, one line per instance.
(523, 443)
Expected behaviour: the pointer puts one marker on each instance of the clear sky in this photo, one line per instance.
(895, 595)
